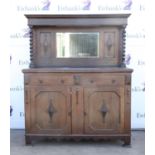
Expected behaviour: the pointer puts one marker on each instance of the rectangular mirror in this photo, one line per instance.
(77, 45)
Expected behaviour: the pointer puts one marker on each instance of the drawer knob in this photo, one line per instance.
(40, 81)
(85, 113)
(113, 81)
(62, 81)
(91, 81)
(26, 83)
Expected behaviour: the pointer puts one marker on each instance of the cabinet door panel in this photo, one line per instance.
(104, 109)
(49, 110)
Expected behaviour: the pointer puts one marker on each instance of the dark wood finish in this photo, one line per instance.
(78, 98)
(111, 29)
(90, 20)
(104, 110)
(84, 103)
(46, 49)
(50, 107)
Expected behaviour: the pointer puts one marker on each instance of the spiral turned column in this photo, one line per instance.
(123, 45)
(31, 48)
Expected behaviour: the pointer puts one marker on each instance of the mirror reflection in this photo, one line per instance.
(81, 45)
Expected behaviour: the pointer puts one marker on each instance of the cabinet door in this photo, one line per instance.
(104, 109)
(50, 110)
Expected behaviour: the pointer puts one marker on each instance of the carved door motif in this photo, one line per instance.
(45, 46)
(111, 46)
(104, 109)
(50, 110)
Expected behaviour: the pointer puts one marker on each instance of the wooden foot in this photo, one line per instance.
(28, 140)
(127, 141)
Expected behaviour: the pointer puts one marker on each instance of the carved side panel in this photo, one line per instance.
(109, 45)
(45, 44)
(27, 108)
(45, 47)
(127, 107)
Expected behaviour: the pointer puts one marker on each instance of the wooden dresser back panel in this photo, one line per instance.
(45, 47)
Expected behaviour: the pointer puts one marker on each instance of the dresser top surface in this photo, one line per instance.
(121, 15)
(77, 19)
(78, 70)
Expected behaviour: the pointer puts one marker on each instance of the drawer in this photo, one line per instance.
(51, 79)
(83, 79)
(101, 79)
